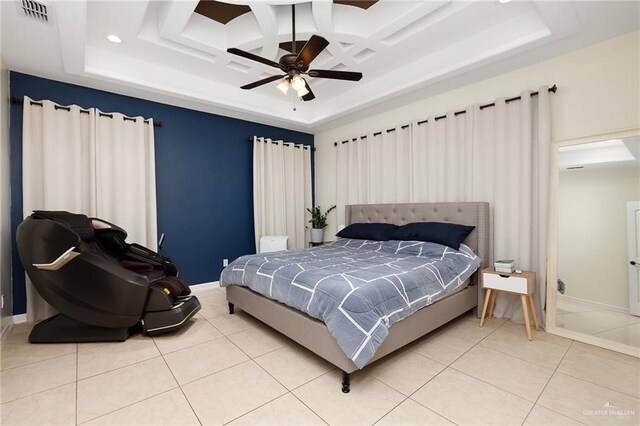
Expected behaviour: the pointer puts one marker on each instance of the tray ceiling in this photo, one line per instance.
(174, 51)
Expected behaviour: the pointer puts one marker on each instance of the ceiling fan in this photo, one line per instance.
(295, 65)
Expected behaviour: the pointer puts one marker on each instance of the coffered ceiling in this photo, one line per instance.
(174, 51)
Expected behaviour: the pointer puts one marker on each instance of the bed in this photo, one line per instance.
(314, 334)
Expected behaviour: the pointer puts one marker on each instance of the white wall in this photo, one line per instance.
(5, 224)
(592, 232)
(598, 92)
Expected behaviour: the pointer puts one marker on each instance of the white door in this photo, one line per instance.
(633, 236)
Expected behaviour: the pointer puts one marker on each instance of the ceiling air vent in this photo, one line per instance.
(35, 9)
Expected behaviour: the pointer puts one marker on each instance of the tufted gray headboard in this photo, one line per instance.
(473, 213)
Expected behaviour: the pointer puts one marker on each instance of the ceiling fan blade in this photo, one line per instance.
(256, 58)
(261, 82)
(311, 49)
(336, 75)
(309, 96)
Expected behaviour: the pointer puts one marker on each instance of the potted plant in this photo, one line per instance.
(318, 223)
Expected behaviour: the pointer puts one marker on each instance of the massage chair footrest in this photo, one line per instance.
(160, 322)
(63, 329)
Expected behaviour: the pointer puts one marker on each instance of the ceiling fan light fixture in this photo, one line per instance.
(297, 82)
(283, 86)
(303, 91)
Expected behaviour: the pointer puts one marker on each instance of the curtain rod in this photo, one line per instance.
(552, 89)
(15, 100)
(313, 148)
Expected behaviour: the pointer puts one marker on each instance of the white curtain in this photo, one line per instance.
(442, 161)
(58, 148)
(281, 190)
(498, 154)
(126, 176)
(512, 143)
(63, 170)
(375, 169)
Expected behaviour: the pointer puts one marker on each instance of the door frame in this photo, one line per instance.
(632, 206)
(552, 246)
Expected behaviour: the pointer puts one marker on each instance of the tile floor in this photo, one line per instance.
(225, 369)
(609, 325)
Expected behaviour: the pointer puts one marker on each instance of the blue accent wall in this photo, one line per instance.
(204, 176)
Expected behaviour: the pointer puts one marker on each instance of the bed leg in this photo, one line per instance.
(346, 382)
(231, 308)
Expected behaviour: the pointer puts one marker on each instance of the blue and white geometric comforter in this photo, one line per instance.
(358, 288)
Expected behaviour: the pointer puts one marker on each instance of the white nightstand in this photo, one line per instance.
(523, 284)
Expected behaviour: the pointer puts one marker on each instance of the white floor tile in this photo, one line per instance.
(259, 340)
(541, 416)
(17, 351)
(229, 324)
(405, 372)
(285, 410)
(601, 367)
(519, 330)
(463, 399)
(410, 413)
(540, 350)
(231, 393)
(442, 347)
(168, 408)
(109, 357)
(293, 365)
(212, 304)
(56, 406)
(501, 374)
(27, 380)
(368, 401)
(468, 328)
(589, 403)
(206, 358)
(197, 330)
(514, 375)
(107, 392)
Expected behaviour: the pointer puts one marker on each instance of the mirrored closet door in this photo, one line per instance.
(595, 239)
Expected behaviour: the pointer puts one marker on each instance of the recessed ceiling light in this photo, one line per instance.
(113, 38)
(504, 1)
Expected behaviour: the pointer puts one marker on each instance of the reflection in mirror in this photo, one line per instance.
(599, 239)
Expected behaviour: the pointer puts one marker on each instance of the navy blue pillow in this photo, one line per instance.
(448, 234)
(368, 231)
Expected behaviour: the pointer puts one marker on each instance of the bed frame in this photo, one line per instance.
(314, 335)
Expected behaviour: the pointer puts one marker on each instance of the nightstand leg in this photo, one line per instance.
(533, 312)
(492, 304)
(523, 299)
(487, 295)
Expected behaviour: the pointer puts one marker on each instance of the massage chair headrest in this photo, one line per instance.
(112, 237)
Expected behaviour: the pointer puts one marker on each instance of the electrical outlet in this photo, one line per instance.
(225, 263)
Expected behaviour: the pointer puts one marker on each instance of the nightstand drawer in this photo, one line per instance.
(507, 283)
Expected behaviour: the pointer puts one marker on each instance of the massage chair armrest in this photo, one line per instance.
(118, 295)
(146, 255)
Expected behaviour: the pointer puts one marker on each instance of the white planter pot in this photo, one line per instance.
(317, 235)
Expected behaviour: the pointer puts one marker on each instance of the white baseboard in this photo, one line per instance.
(7, 329)
(20, 319)
(592, 304)
(204, 286)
